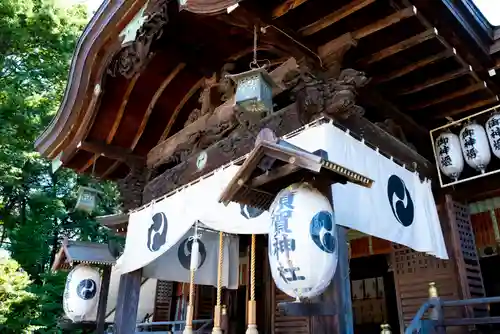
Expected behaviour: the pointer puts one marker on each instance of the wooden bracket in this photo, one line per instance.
(295, 309)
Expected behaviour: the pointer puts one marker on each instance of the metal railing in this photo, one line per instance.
(437, 322)
(174, 326)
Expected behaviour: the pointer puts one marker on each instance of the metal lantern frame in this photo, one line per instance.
(254, 91)
(87, 199)
(434, 134)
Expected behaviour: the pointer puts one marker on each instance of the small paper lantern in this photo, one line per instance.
(449, 155)
(87, 199)
(302, 241)
(493, 131)
(81, 292)
(475, 147)
(254, 91)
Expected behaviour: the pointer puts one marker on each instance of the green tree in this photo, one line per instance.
(37, 40)
(16, 303)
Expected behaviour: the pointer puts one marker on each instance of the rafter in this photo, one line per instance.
(286, 6)
(414, 66)
(451, 96)
(153, 101)
(434, 81)
(336, 16)
(122, 108)
(398, 47)
(470, 106)
(118, 119)
(385, 22)
(179, 107)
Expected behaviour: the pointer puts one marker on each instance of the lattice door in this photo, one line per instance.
(413, 271)
(465, 253)
(163, 302)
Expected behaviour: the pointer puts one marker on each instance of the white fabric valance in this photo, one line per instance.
(398, 207)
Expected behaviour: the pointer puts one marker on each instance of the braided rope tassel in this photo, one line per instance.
(190, 309)
(193, 267)
(252, 305)
(217, 310)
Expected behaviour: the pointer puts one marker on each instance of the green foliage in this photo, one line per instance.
(16, 303)
(37, 40)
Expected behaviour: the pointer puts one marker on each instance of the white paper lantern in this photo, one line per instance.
(302, 241)
(475, 147)
(81, 293)
(493, 131)
(449, 155)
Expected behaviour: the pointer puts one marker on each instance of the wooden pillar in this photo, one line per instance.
(103, 299)
(339, 290)
(128, 302)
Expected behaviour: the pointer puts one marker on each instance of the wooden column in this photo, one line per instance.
(128, 302)
(339, 290)
(103, 299)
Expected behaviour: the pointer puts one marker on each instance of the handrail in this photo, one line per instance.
(147, 325)
(415, 324)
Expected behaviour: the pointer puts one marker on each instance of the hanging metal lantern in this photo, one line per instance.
(493, 131)
(87, 199)
(475, 147)
(302, 241)
(254, 91)
(449, 155)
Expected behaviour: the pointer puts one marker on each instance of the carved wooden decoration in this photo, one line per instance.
(131, 188)
(210, 7)
(210, 127)
(133, 57)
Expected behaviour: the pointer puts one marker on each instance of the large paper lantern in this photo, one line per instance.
(493, 131)
(449, 155)
(302, 241)
(81, 293)
(475, 147)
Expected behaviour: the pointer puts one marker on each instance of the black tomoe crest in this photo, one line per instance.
(157, 232)
(322, 233)
(400, 201)
(86, 289)
(250, 212)
(185, 250)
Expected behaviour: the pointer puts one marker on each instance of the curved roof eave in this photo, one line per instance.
(104, 26)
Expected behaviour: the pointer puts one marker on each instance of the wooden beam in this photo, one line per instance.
(385, 22)
(285, 7)
(127, 302)
(178, 109)
(110, 151)
(241, 143)
(470, 106)
(434, 81)
(153, 101)
(414, 66)
(398, 47)
(448, 97)
(103, 299)
(336, 16)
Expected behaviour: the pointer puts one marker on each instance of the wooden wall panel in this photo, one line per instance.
(284, 324)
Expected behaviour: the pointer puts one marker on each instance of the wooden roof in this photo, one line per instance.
(426, 62)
